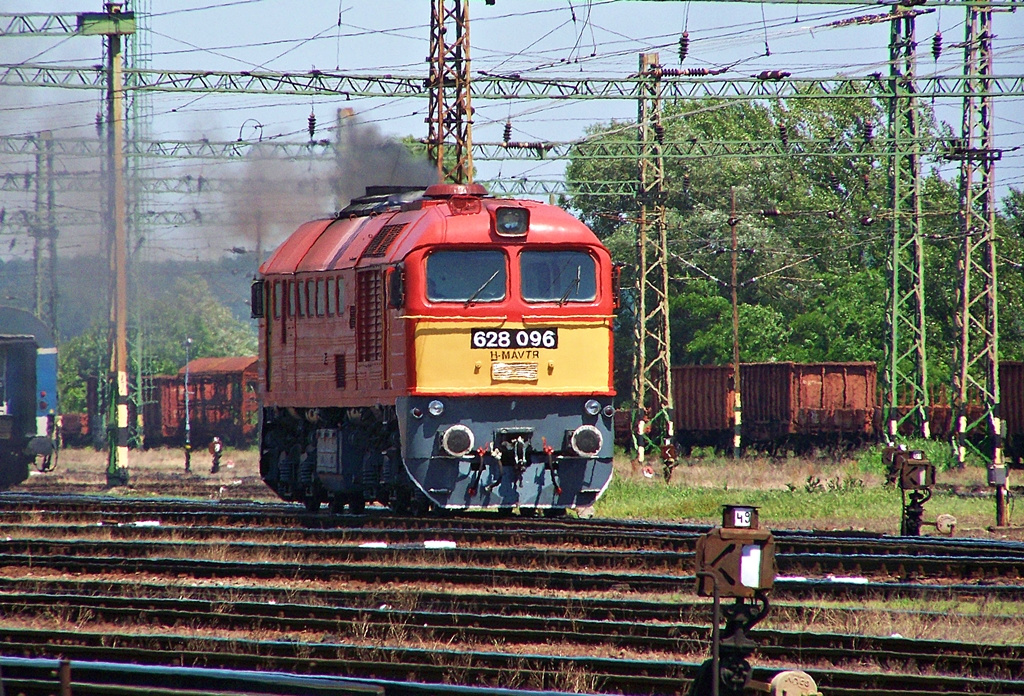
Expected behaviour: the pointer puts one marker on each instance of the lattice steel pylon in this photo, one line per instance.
(450, 113)
(906, 374)
(977, 320)
(652, 373)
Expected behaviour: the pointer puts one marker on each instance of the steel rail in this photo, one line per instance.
(598, 535)
(70, 508)
(975, 660)
(474, 668)
(890, 563)
(801, 596)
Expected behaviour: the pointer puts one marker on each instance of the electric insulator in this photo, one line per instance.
(312, 124)
(686, 181)
(867, 221)
(659, 132)
(869, 132)
(99, 123)
(771, 212)
(867, 182)
(830, 214)
(773, 74)
(834, 180)
(684, 45)
(937, 45)
(783, 135)
(508, 131)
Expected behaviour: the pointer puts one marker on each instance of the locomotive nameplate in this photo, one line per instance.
(514, 338)
(514, 372)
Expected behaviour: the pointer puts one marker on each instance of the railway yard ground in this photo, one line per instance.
(198, 570)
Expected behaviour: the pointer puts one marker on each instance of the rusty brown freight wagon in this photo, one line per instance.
(703, 400)
(803, 404)
(1011, 397)
(222, 402)
(784, 403)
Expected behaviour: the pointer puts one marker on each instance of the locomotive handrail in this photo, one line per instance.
(449, 317)
(563, 317)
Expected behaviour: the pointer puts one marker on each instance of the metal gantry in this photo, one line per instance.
(450, 113)
(906, 375)
(652, 358)
(44, 232)
(487, 87)
(977, 351)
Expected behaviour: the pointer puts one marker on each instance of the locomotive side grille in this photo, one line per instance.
(339, 370)
(6, 427)
(369, 316)
(378, 246)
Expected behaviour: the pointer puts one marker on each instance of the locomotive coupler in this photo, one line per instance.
(496, 453)
(479, 466)
(549, 452)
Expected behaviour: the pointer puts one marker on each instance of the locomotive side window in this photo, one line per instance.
(332, 298)
(292, 293)
(321, 297)
(278, 299)
(341, 296)
(466, 276)
(558, 276)
(302, 298)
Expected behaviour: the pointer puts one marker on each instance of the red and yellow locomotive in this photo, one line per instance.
(438, 348)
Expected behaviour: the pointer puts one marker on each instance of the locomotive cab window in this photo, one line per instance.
(558, 276)
(332, 297)
(321, 297)
(466, 276)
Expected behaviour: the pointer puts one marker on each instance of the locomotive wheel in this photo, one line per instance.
(356, 503)
(400, 501)
(314, 500)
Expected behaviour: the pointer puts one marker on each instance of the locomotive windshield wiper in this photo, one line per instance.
(572, 286)
(481, 288)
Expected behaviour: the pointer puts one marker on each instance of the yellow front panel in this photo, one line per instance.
(446, 360)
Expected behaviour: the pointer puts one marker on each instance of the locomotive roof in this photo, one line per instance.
(389, 222)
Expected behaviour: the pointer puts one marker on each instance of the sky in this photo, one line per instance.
(537, 37)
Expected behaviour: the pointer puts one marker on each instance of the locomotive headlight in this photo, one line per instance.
(457, 440)
(609, 411)
(416, 412)
(592, 407)
(511, 222)
(435, 407)
(586, 440)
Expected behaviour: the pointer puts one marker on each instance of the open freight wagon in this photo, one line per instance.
(785, 404)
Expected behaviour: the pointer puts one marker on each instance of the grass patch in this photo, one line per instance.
(820, 492)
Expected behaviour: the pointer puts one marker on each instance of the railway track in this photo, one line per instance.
(875, 558)
(473, 627)
(572, 604)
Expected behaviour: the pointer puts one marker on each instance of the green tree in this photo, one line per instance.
(813, 230)
(187, 310)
